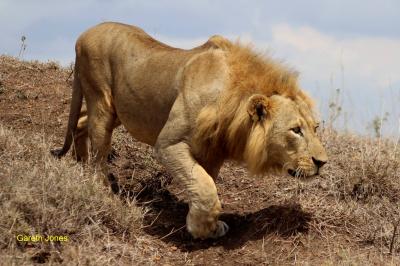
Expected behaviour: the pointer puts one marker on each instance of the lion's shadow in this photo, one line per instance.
(167, 218)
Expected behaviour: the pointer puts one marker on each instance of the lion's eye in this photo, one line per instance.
(297, 130)
(315, 128)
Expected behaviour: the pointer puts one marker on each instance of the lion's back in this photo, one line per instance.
(112, 38)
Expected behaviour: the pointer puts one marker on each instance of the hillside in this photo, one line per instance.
(348, 215)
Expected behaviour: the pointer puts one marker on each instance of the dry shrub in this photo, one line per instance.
(355, 200)
(358, 194)
(43, 196)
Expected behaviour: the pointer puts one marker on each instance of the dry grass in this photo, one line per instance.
(358, 194)
(347, 216)
(43, 196)
(354, 206)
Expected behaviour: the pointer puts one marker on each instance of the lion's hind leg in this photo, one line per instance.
(80, 148)
(100, 125)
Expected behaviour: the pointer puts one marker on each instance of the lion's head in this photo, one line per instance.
(282, 136)
(263, 119)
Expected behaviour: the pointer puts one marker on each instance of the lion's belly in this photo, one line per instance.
(144, 91)
(143, 112)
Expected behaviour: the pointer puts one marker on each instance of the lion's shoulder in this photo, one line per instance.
(218, 42)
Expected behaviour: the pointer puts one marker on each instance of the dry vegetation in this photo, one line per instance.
(61, 198)
(348, 215)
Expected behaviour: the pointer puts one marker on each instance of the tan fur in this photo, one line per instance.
(197, 107)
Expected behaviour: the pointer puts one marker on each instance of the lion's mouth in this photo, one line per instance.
(300, 174)
(292, 172)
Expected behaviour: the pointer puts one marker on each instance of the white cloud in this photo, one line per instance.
(366, 69)
(369, 61)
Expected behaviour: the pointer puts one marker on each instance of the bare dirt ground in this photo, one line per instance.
(347, 216)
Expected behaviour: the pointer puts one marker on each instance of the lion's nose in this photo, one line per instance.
(318, 163)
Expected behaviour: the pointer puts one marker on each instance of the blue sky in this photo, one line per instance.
(353, 46)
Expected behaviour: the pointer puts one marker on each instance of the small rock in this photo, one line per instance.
(323, 184)
(21, 95)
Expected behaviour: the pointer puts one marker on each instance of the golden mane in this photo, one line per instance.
(254, 72)
(225, 129)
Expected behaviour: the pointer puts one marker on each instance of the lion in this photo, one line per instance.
(198, 108)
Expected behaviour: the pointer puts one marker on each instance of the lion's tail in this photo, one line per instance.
(74, 114)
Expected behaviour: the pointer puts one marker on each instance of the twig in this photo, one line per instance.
(151, 224)
(150, 201)
(70, 74)
(15, 219)
(94, 223)
(23, 47)
(172, 232)
(394, 236)
(143, 188)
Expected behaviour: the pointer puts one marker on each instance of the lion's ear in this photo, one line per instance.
(257, 107)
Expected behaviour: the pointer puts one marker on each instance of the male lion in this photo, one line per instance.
(197, 108)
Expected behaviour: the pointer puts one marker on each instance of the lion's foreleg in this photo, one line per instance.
(205, 207)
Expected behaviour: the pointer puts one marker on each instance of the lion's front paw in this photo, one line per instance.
(221, 230)
(206, 229)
